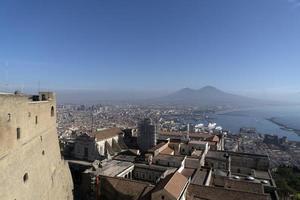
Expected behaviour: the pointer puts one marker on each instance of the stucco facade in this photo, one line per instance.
(31, 166)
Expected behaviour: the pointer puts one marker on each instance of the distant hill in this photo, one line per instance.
(208, 96)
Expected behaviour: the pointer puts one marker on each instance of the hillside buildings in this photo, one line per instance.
(180, 169)
(173, 160)
(30, 162)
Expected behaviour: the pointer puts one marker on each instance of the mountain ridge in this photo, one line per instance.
(208, 96)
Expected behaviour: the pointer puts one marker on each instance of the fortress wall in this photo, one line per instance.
(31, 166)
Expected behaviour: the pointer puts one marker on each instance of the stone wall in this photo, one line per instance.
(30, 162)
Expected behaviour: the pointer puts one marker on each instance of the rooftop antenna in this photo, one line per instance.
(39, 86)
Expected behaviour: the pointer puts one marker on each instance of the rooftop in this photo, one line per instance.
(167, 151)
(217, 193)
(158, 146)
(174, 184)
(36, 98)
(170, 158)
(112, 168)
(243, 185)
(216, 154)
(107, 133)
(128, 188)
(192, 162)
(127, 158)
(198, 142)
(200, 176)
(153, 167)
(188, 172)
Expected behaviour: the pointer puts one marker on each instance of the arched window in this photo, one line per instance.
(52, 111)
(18, 133)
(36, 119)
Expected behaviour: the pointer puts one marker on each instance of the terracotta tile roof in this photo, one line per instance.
(174, 184)
(158, 146)
(168, 151)
(216, 193)
(187, 172)
(107, 133)
(127, 188)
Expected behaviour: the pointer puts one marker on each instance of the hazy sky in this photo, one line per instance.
(236, 45)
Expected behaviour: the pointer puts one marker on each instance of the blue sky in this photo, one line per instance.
(236, 45)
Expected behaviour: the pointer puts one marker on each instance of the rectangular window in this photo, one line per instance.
(18, 133)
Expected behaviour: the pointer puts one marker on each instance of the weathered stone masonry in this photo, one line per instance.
(31, 167)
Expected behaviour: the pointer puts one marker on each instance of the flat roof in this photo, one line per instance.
(217, 193)
(262, 174)
(167, 157)
(200, 176)
(198, 142)
(6, 93)
(127, 187)
(153, 167)
(112, 168)
(128, 158)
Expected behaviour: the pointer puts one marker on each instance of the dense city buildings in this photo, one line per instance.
(182, 145)
(31, 166)
(170, 159)
(154, 100)
(280, 151)
(187, 162)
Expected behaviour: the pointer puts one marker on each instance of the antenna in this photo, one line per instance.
(39, 86)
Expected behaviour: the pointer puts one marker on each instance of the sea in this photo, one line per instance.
(258, 118)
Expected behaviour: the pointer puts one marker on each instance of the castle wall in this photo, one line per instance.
(30, 162)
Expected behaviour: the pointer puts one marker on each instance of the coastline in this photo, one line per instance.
(283, 126)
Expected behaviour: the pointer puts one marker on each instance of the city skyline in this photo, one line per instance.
(150, 99)
(151, 46)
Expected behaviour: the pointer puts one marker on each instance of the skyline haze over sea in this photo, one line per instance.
(159, 46)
